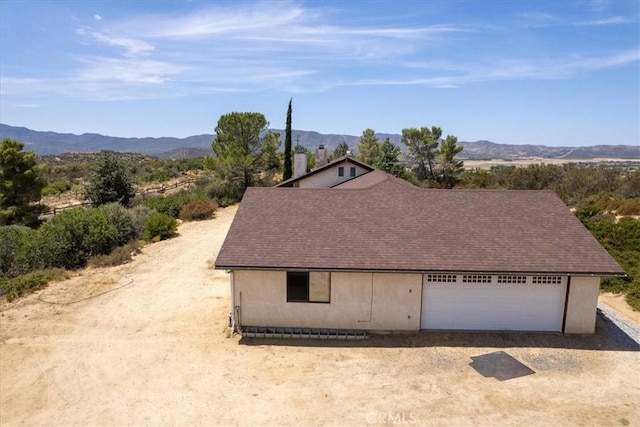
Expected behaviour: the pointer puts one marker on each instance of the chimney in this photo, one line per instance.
(321, 156)
(299, 162)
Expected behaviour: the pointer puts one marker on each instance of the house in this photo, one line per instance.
(388, 256)
(327, 175)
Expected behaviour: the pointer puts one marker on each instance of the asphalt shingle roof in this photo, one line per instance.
(394, 227)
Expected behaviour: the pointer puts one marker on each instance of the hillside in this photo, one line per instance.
(47, 143)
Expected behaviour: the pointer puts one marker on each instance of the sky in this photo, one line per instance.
(557, 73)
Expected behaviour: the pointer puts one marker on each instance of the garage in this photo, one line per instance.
(493, 302)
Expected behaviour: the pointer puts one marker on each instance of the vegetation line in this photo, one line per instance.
(84, 299)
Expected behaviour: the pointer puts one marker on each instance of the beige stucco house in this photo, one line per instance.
(327, 175)
(383, 255)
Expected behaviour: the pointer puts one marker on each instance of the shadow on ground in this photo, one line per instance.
(608, 337)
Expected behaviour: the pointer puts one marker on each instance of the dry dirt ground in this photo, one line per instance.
(487, 164)
(153, 350)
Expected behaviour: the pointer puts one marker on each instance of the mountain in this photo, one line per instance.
(46, 143)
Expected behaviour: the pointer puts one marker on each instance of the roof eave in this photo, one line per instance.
(428, 271)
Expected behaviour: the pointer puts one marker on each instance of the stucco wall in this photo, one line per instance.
(580, 317)
(329, 177)
(371, 301)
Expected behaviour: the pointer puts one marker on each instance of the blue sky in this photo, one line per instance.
(523, 72)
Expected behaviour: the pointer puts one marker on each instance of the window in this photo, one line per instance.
(340, 171)
(441, 278)
(512, 279)
(476, 278)
(547, 280)
(352, 171)
(304, 286)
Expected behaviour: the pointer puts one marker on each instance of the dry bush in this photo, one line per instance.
(118, 256)
(197, 210)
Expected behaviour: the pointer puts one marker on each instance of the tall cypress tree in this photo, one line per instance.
(288, 172)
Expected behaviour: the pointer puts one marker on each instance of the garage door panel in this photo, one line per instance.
(490, 306)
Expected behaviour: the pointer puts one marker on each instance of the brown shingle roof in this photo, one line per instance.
(393, 227)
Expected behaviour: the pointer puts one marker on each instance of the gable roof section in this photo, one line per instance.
(370, 179)
(348, 158)
(394, 227)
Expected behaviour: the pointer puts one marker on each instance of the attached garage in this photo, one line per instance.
(493, 302)
(391, 256)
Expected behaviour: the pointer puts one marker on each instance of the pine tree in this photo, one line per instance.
(288, 172)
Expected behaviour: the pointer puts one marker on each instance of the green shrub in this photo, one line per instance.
(159, 226)
(198, 210)
(20, 251)
(16, 287)
(118, 256)
(139, 216)
(122, 219)
(71, 237)
(170, 205)
(56, 187)
(223, 193)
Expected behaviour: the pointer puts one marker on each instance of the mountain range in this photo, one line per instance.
(50, 143)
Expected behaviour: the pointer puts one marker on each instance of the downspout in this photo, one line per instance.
(370, 304)
(566, 303)
(233, 316)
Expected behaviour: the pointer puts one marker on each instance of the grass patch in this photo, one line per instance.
(16, 287)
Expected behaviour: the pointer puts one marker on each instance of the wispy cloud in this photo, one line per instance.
(131, 46)
(97, 17)
(285, 46)
(611, 20)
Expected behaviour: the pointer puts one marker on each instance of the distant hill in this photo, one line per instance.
(47, 143)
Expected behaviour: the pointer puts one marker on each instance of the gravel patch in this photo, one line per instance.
(620, 329)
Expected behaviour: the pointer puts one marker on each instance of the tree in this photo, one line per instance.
(450, 168)
(341, 150)
(368, 147)
(21, 184)
(270, 158)
(109, 181)
(422, 144)
(288, 171)
(388, 159)
(239, 148)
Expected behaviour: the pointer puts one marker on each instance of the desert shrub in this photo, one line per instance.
(71, 237)
(17, 286)
(170, 205)
(223, 193)
(118, 256)
(629, 207)
(139, 216)
(197, 210)
(19, 251)
(122, 219)
(159, 226)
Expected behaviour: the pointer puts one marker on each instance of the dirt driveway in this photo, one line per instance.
(154, 351)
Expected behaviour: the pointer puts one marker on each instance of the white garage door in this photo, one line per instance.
(484, 302)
